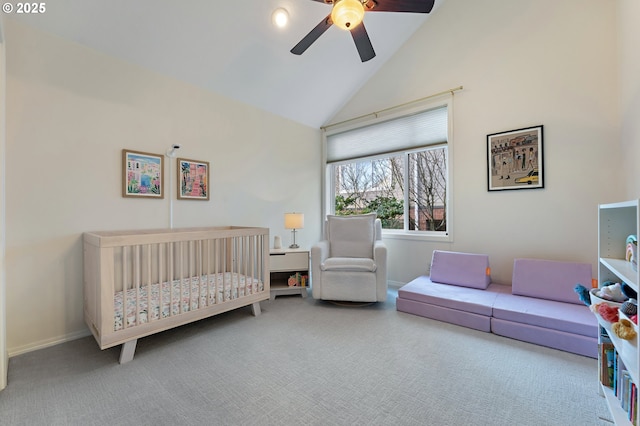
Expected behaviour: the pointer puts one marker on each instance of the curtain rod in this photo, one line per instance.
(376, 113)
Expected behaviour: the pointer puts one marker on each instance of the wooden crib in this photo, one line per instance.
(137, 283)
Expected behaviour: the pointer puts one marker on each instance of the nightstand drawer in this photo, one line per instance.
(289, 261)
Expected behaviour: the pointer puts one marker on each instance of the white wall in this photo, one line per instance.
(521, 63)
(629, 33)
(70, 112)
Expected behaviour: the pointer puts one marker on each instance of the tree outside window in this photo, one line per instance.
(406, 190)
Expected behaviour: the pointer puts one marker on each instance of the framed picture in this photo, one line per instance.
(142, 174)
(193, 179)
(514, 159)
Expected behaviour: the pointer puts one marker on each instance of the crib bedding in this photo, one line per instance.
(180, 296)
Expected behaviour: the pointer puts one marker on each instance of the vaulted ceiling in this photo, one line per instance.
(231, 47)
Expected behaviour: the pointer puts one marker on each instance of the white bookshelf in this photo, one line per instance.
(616, 222)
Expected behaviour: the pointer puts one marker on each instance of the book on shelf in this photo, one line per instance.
(614, 374)
(607, 372)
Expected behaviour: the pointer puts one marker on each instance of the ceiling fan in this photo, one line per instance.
(348, 15)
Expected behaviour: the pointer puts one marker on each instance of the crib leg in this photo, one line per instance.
(127, 351)
(255, 309)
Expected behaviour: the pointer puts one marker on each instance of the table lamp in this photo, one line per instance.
(294, 221)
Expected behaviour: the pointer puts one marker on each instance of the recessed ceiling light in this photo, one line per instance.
(280, 17)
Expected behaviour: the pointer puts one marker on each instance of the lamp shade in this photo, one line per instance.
(294, 220)
(347, 14)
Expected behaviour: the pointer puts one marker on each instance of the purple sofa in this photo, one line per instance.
(539, 307)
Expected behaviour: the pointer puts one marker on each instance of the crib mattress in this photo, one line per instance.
(180, 296)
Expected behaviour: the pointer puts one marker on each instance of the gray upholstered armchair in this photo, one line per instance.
(350, 264)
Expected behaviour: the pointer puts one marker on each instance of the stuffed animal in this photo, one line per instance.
(608, 313)
(630, 307)
(583, 294)
(624, 329)
(612, 292)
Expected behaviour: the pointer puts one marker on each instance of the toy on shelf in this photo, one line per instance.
(624, 329)
(613, 292)
(298, 280)
(607, 312)
(583, 294)
(630, 307)
(632, 251)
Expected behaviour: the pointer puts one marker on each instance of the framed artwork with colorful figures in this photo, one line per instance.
(514, 159)
(193, 179)
(142, 174)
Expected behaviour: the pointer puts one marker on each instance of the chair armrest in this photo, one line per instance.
(380, 258)
(379, 252)
(319, 253)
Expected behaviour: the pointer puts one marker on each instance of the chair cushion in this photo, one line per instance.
(348, 264)
(351, 236)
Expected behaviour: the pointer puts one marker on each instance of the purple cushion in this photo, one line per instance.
(575, 319)
(575, 343)
(549, 279)
(452, 316)
(462, 269)
(472, 300)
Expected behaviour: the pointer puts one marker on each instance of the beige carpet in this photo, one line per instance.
(304, 362)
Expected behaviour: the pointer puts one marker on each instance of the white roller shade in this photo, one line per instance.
(408, 132)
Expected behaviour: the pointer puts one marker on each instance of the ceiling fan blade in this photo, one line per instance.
(413, 6)
(313, 35)
(363, 43)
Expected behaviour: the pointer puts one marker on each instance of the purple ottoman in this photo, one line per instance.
(458, 291)
(544, 309)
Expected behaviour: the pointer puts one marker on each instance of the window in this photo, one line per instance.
(397, 168)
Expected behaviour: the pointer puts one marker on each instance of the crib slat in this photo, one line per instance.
(217, 269)
(236, 261)
(181, 273)
(149, 283)
(170, 263)
(189, 273)
(160, 281)
(245, 248)
(253, 262)
(207, 293)
(124, 286)
(199, 269)
(137, 279)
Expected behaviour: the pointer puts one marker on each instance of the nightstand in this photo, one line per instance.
(282, 264)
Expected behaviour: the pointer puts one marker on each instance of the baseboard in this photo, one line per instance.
(48, 343)
(395, 284)
(4, 371)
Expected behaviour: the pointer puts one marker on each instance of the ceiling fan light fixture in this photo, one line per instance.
(347, 14)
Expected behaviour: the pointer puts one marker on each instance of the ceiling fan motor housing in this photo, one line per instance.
(347, 14)
(368, 4)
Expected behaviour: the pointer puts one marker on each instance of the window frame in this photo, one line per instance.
(328, 190)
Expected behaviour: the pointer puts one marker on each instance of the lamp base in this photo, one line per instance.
(294, 245)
